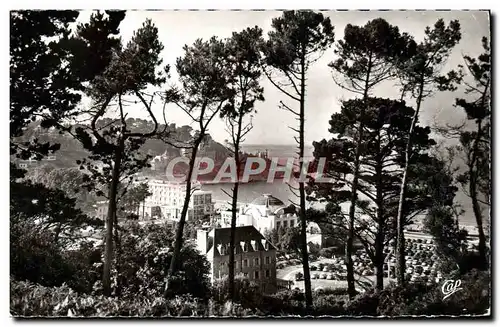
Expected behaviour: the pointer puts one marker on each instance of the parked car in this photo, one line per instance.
(323, 276)
(299, 276)
(330, 277)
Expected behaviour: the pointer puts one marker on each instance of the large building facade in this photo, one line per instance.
(167, 198)
(255, 257)
(166, 201)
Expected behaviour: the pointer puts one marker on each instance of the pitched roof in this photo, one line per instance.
(243, 237)
(243, 233)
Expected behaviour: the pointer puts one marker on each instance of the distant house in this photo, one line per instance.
(264, 213)
(101, 209)
(255, 257)
(33, 162)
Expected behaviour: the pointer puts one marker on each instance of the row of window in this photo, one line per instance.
(200, 199)
(245, 262)
(256, 274)
(224, 249)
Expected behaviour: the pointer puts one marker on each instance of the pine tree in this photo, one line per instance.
(297, 40)
(420, 75)
(205, 76)
(112, 143)
(385, 123)
(367, 56)
(243, 51)
(476, 144)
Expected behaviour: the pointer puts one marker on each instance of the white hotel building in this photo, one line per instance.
(169, 197)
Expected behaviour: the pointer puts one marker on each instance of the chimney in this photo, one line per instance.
(202, 240)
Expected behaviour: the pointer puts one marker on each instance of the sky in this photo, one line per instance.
(270, 124)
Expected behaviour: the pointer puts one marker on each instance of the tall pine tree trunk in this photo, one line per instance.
(302, 194)
(182, 221)
(474, 194)
(113, 190)
(117, 256)
(400, 252)
(232, 245)
(354, 193)
(352, 211)
(380, 236)
(379, 258)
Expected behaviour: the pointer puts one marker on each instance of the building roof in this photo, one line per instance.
(243, 233)
(268, 200)
(247, 239)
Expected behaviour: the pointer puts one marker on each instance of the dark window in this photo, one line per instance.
(256, 274)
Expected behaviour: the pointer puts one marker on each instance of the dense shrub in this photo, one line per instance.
(145, 257)
(365, 304)
(248, 293)
(37, 258)
(28, 299)
(420, 299)
(473, 298)
(470, 261)
(330, 305)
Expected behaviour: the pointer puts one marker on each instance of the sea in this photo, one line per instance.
(249, 191)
